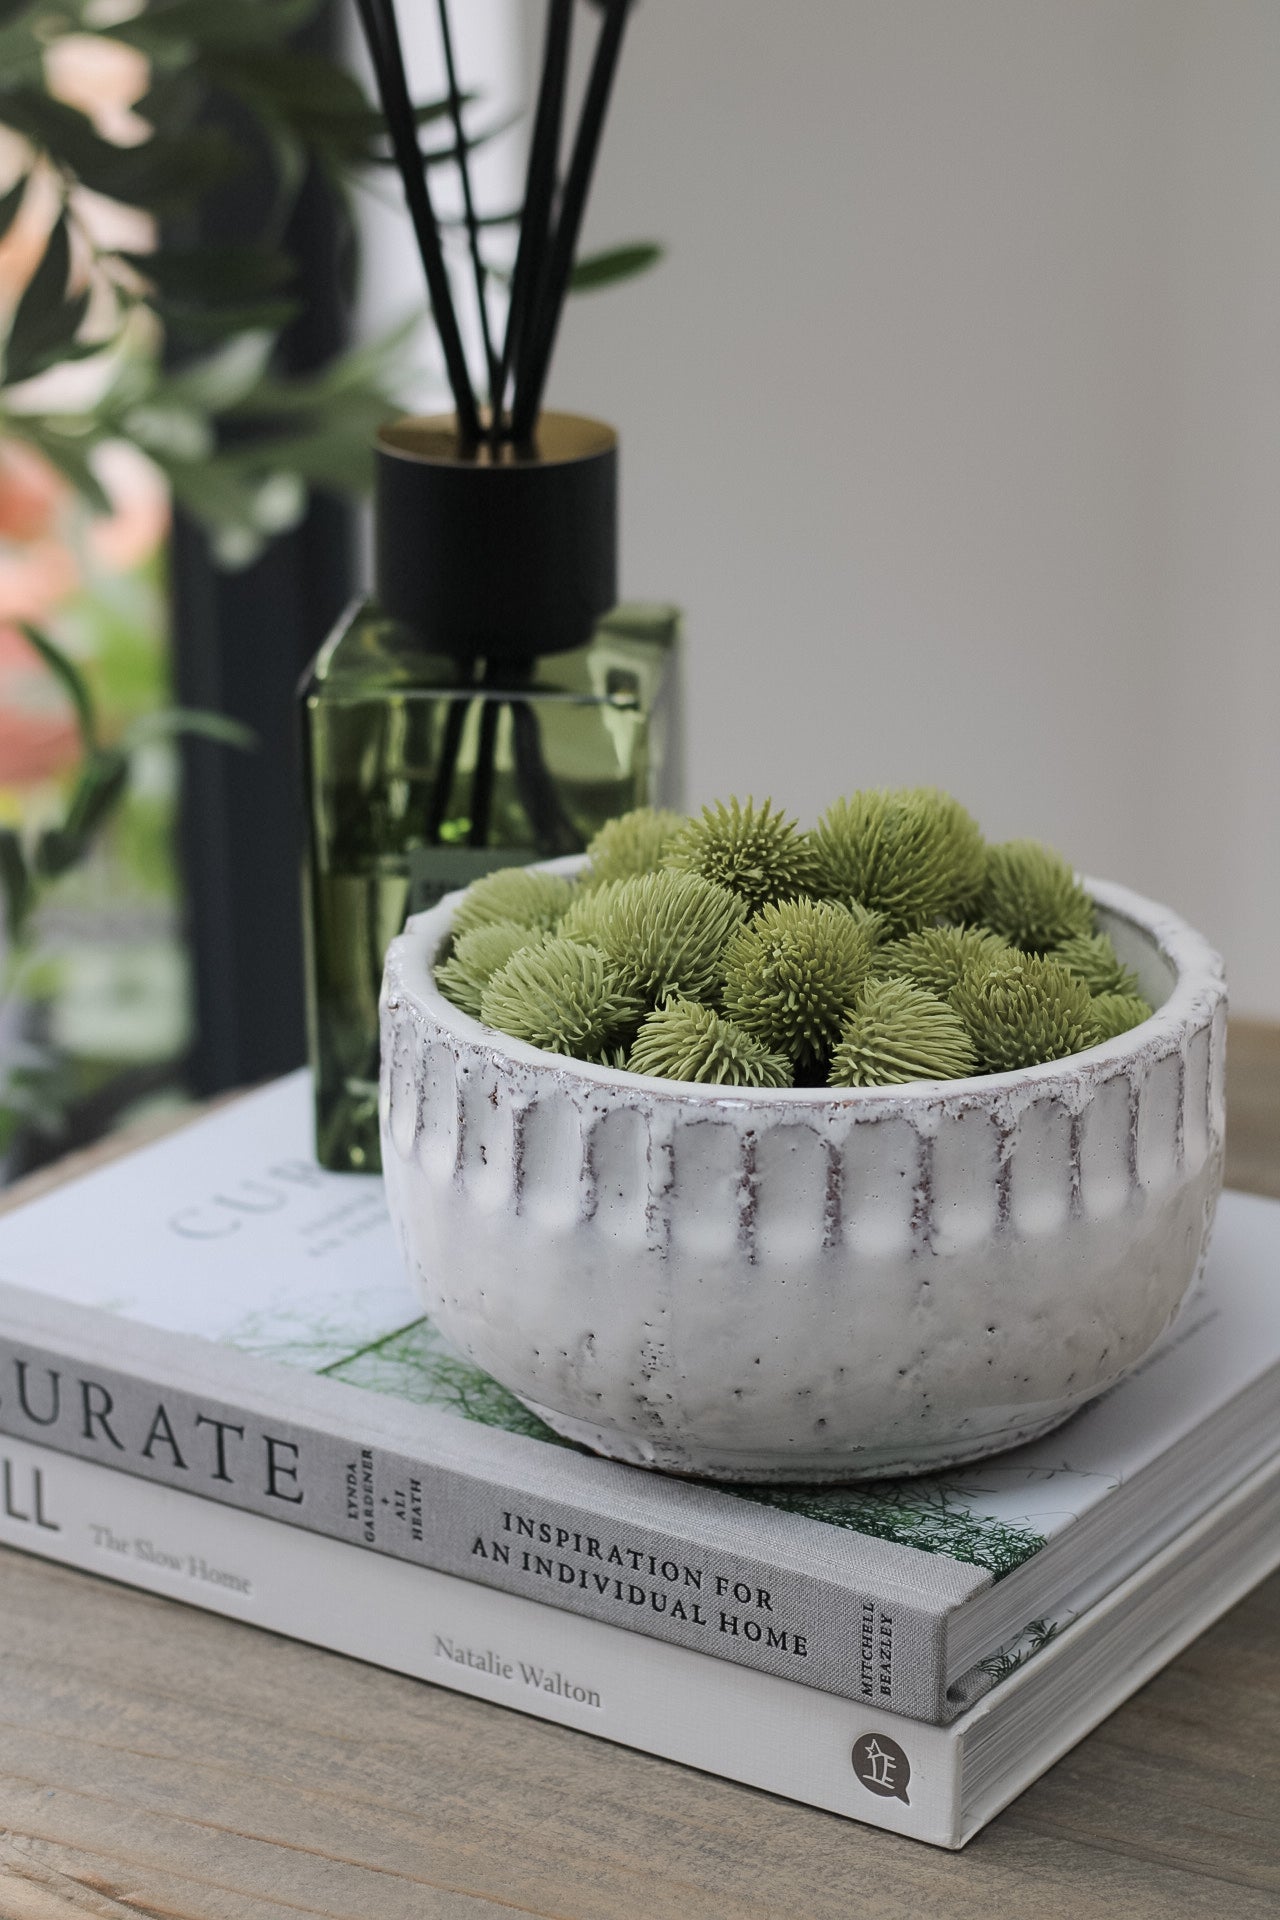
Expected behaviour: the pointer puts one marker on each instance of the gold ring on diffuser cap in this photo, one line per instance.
(560, 438)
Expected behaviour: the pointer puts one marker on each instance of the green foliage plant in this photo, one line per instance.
(754, 851)
(900, 1032)
(684, 1041)
(666, 972)
(32, 862)
(181, 334)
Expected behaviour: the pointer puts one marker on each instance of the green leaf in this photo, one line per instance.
(212, 25)
(73, 682)
(221, 379)
(95, 796)
(169, 432)
(45, 324)
(221, 275)
(21, 49)
(168, 172)
(371, 371)
(11, 202)
(289, 82)
(171, 722)
(336, 456)
(617, 263)
(447, 156)
(16, 884)
(206, 326)
(511, 219)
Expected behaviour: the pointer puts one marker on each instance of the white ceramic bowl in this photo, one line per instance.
(806, 1284)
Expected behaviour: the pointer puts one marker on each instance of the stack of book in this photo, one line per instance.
(216, 1383)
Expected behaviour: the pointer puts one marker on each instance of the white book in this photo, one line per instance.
(938, 1784)
(216, 1313)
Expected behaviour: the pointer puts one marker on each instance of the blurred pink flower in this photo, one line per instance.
(140, 501)
(31, 491)
(37, 570)
(38, 734)
(104, 78)
(35, 578)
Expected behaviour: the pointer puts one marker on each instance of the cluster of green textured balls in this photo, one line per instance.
(888, 945)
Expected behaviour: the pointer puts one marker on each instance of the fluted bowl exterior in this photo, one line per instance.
(804, 1284)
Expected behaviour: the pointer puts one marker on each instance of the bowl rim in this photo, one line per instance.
(1199, 988)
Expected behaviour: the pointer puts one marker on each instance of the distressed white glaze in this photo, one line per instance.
(805, 1284)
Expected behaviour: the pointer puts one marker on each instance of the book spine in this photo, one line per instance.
(536, 1537)
(786, 1738)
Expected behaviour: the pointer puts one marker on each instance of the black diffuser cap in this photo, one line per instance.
(500, 552)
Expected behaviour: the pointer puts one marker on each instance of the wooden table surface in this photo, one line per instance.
(157, 1761)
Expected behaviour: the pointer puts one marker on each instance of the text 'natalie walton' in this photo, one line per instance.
(526, 1672)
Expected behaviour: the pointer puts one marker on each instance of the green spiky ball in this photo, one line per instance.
(524, 894)
(938, 958)
(666, 933)
(1116, 1013)
(588, 913)
(900, 1032)
(687, 1042)
(1021, 1010)
(476, 958)
(634, 843)
(1093, 959)
(968, 850)
(564, 996)
(1032, 897)
(895, 850)
(793, 975)
(753, 851)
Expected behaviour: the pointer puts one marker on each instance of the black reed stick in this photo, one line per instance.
(377, 17)
(450, 747)
(553, 830)
(539, 191)
(468, 204)
(486, 757)
(531, 376)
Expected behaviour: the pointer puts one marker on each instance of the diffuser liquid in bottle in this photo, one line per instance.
(421, 773)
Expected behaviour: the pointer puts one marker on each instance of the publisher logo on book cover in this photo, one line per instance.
(882, 1766)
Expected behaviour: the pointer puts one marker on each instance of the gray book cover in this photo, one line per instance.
(216, 1313)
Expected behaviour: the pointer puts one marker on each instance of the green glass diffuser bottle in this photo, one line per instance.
(490, 705)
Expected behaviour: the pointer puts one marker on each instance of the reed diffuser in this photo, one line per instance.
(491, 703)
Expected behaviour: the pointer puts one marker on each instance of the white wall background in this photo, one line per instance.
(953, 419)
